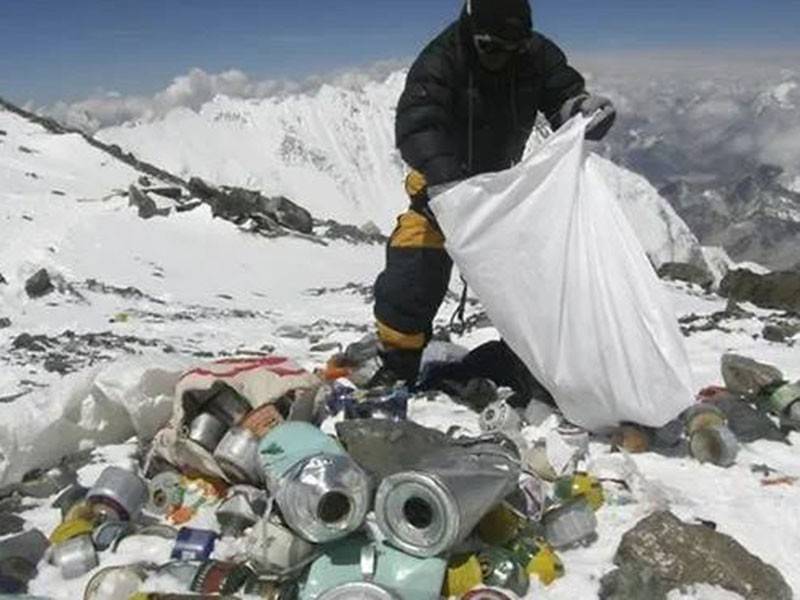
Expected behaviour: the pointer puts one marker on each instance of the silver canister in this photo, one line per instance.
(115, 582)
(500, 416)
(570, 523)
(275, 550)
(75, 557)
(359, 590)
(227, 405)
(237, 455)
(428, 510)
(715, 444)
(235, 515)
(122, 490)
(325, 497)
(207, 431)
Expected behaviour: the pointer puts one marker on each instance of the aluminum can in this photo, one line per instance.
(237, 455)
(500, 416)
(218, 577)
(276, 550)
(226, 404)
(500, 569)
(112, 583)
(322, 493)
(360, 590)
(207, 431)
(75, 557)
(235, 514)
(122, 490)
(427, 510)
(165, 493)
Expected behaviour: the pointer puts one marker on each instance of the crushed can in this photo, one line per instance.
(270, 589)
(715, 444)
(109, 533)
(570, 523)
(194, 544)
(165, 493)
(237, 455)
(538, 558)
(219, 577)
(115, 582)
(785, 400)
(580, 484)
(75, 557)
(500, 569)
(275, 550)
(529, 499)
(71, 529)
(123, 491)
(500, 416)
(322, 493)
(350, 564)
(262, 419)
(207, 430)
(463, 574)
(428, 510)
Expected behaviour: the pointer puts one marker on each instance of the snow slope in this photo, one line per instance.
(205, 288)
(333, 152)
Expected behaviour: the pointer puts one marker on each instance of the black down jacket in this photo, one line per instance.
(446, 84)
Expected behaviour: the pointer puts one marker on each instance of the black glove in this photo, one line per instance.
(600, 108)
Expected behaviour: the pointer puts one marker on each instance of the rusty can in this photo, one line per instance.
(219, 577)
(261, 420)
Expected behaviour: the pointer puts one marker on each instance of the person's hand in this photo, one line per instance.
(599, 108)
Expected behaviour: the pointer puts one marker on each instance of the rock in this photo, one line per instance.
(39, 284)
(10, 524)
(144, 181)
(5, 322)
(3, 132)
(26, 341)
(780, 332)
(662, 553)
(371, 229)
(288, 214)
(146, 206)
(746, 376)
(2, 279)
(675, 271)
(173, 193)
(202, 190)
(779, 290)
(747, 423)
(58, 193)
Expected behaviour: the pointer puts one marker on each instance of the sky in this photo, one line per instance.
(57, 50)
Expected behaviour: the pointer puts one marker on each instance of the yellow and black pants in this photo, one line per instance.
(412, 287)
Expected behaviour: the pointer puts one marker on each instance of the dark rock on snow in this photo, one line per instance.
(662, 553)
(2, 279)
(5, 322)
(39, 284)
(779, 332)
(173, 193)
(674, 271)
(146, 206)
(779, 290)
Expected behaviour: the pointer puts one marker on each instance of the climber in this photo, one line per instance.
(469, 105)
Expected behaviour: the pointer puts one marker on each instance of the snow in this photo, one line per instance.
(208, 287)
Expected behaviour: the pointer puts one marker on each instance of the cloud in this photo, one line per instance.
(681, 114)
(197, 87)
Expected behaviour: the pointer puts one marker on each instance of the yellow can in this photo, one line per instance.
(71, 529)
(499, 526)
(463, 574)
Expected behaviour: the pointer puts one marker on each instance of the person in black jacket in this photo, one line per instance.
(469, 105)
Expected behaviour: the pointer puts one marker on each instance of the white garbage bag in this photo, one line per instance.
(562, 276)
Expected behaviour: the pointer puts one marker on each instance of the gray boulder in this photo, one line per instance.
(745, 376)
(39, 284)
(779, 290)
(662, 553)
(675, 271)
(146, 206)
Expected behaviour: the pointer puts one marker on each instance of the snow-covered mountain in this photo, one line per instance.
(756, 218)
(333, 152)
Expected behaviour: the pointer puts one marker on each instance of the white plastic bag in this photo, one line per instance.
(560, 271)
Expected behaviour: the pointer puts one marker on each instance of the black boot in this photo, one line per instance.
(398, 365)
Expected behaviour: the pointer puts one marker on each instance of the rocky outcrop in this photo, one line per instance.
(686, 272)
(39, 284)
(779, 290)
(662, 553)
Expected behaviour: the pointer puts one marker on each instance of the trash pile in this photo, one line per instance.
(258, 501)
